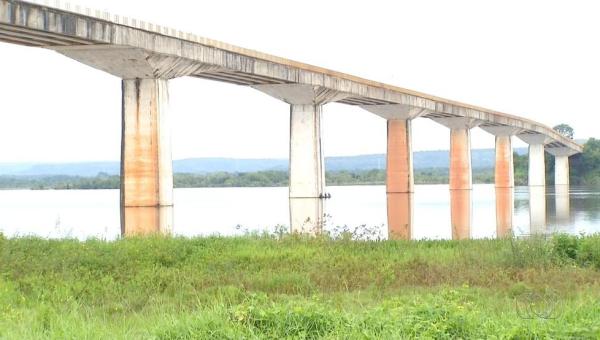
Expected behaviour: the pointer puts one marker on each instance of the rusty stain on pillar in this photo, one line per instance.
(146, 165)
(460, 210)
(460, 183)
(504, 211)
(399, 182)
(504, 171)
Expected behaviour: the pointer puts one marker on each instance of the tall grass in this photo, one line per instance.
(295, 287)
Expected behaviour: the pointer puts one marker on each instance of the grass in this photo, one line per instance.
(266, 287)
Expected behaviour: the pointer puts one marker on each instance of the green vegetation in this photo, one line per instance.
(224, 179)
(585, 167)
(287, 286)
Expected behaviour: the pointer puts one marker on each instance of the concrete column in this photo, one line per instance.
(460, 159)
(537, 165)
(504, 178)
(400, 179)
(146, 165)
(561, 170)
(307, 171)
(504, 171)
(307, 166)
(461, 182)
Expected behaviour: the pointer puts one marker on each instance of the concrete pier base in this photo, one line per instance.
(307, 171)
(146, 165)
(399, 181)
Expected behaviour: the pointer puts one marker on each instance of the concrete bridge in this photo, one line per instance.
(147, 56)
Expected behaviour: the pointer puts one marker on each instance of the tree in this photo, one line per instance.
(564, 130)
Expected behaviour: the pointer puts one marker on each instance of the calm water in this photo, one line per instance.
(231, 211)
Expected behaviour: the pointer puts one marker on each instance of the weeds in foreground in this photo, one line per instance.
(281, 285)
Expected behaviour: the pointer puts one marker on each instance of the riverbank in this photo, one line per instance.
(277, 287)
(229, 180)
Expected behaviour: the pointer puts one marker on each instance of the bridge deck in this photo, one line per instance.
(127, 48)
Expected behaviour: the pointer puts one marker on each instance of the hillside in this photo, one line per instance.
(482, 158)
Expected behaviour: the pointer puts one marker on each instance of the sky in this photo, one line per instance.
(535, 59)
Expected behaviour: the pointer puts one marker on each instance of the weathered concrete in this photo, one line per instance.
(400, 210)
(99, 39)
(537, 209)
(400, 178)
(561, 165)
(537, 165)
(504, 211)
(307, 169)
(307, 164)
(504, 170)
(400, 175)
(146, 165)
(461, 181)
(561, 170)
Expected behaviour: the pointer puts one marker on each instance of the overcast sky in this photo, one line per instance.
(536, 59)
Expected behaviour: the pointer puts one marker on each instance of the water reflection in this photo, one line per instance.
(537, 210)
(562, 204)
(400, 210)
(233, 211)
(505, 202)
(137, 221)
(460, 210)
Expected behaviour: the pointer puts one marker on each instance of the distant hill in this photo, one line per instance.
(482, 158)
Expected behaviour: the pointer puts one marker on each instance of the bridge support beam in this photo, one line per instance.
(561, 170)
(537, 181)
(146, 165)
(504, 177)
(461, 182)
(307, 165)
(400, 179)
(399, 170)
(307, 169)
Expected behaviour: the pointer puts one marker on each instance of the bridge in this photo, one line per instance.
(146, 56)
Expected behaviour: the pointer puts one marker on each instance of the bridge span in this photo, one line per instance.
(146, 56)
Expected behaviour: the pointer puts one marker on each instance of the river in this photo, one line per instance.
(84, 214)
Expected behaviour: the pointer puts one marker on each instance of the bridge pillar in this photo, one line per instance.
(537, 181)
(537, 165)
(562, 182)
(307, 165)
(146, 165)
(504, 177)
(461, 182)
(400, 179)
(399, 166)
